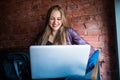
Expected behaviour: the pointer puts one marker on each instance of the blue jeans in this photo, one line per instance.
(76, 77)
(72, 77)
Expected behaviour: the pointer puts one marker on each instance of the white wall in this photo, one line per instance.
(117, 14)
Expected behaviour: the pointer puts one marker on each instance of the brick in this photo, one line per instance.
(105, 67)
(78, 26)
(46, 1)
(98, 17)
(87, 18)
(92, 25)
(72, 6)
(94, 32)
(97, 44)
(103, 38)
(91, 38)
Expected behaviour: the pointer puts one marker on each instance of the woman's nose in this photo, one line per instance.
(55, 21)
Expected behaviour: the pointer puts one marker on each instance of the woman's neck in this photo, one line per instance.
(52, 36)
(53, 33)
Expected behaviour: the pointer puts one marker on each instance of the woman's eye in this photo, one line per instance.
(59, 19)
(51, 18)
(55, 19)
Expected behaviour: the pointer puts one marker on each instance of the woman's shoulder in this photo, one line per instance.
(70, 30)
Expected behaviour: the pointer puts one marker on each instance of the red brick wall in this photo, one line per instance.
(22, 20)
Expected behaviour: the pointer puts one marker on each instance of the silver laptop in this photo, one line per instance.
(58, 61)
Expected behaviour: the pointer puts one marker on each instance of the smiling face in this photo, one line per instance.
(55, 20)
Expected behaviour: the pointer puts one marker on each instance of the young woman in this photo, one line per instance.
(57, 32)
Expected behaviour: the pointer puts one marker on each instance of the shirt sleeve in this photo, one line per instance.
(76, 39)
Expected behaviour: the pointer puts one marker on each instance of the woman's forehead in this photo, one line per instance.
(56, 13)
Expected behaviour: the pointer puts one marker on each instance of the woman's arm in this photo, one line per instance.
(74, 38)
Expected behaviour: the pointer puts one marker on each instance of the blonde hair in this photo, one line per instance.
(60, 38)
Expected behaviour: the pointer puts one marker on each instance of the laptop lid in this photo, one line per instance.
(58, 61)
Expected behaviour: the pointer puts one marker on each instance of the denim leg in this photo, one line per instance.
(75, 77)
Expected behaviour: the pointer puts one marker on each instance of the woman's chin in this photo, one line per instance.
(55, 28)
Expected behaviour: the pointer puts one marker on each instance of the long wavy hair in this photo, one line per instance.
(60, 38)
